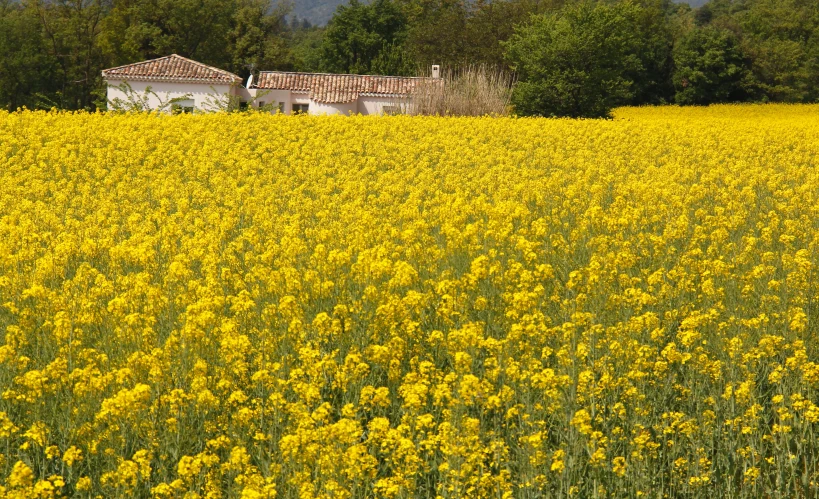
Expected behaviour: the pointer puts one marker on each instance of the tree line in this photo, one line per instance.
(570, 57)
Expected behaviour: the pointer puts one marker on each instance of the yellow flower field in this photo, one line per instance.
(267, 306)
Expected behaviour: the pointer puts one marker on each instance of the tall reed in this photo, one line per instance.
(470, 91)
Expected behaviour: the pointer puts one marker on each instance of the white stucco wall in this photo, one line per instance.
(375, 105)
(201, 95)
(330, 109)
(273, 98)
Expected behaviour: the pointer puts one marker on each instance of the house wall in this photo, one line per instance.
(375, 105)
(330, 109)
(202, 95)
(274, 97)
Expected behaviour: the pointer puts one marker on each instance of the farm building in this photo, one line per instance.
(177, 83)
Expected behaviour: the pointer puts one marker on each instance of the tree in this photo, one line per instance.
(437, 32)
(710, 68)
(26, 68)
(305, 47)
(258, 38)
(651, 22)
(777, 37)
(147, 29)
(777, 40)
(580, 61)
(365, 38)
(72, 30)
(492, 22)
(703, 15)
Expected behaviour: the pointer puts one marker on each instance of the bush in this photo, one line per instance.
(581, 61)
(710, 68)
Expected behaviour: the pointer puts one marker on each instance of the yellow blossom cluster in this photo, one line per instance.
(260, 306)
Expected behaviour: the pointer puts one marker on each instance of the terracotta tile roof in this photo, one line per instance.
(336, 88)
(171, 68)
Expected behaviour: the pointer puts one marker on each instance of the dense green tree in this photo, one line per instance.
(491, 22)
(304, 44)
(258, 39)
(579, 62)
(72, 31)
(652, 23)
(146, 29)
(365, 38)
(778, 39)
(778, 36)
(703, 15)
(26, 68)
(710, 68)
(573, 57)
(437, 32)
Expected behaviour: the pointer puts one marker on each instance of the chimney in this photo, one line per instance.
(436, 71)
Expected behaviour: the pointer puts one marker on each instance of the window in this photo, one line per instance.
(281, 107)
(301, 108)
(261, 104)
(243, 106)
(181, 109)
(182, 106)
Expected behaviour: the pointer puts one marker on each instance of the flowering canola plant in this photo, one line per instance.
(305, 307)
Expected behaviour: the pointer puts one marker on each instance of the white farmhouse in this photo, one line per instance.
(171, 81)
(319, 93)
(186, 85)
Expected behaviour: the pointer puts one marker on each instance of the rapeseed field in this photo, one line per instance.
(266, 306)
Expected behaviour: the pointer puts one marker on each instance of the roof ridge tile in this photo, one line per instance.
(171, 67)
(332, 88)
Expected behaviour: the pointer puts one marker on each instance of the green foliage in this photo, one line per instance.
(710, 68)
(26, 70)
(652, 23)
(491, 23)
(778, 38)
(54, 50)
(365, 38)
(71, 31)
(724, 51)
(618, 52)
(198, 29)
(305, 47)
(578, 62)
(236, 35)
(438, 32)
(258, 39)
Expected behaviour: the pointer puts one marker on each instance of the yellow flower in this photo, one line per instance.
(618, 465)
(72, 455)
(21, 475)
(324, 306)
(751, 474)
(38, 433)
(557, 461)
(84, 484)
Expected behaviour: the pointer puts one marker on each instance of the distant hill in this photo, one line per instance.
(320, 11)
